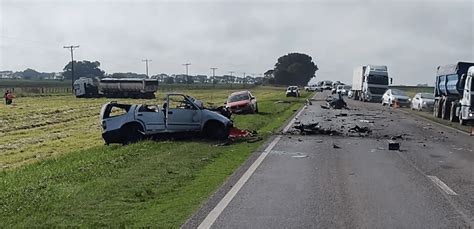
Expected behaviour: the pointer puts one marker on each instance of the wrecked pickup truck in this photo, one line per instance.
(125, 123)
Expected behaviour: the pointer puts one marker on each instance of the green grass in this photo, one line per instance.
(412, 90)
(157, 184)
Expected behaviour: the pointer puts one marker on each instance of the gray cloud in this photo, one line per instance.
(411, 37)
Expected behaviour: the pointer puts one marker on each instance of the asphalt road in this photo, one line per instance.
(353, 180)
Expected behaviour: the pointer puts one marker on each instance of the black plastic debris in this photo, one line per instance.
(314, 129)
(393, 145)
(358, 129)
(335, 146)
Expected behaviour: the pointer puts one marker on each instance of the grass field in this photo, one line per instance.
(56, 170)
(412, 90)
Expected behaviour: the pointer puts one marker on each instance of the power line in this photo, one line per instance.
(72, 47)
(146, 61)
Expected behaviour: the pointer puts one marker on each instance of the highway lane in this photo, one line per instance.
(321, 181)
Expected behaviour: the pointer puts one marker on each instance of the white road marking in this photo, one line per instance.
(287, 127)
(212, 216)
(442, 185)
(219, 208)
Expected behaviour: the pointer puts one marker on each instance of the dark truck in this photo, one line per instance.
(454, 90)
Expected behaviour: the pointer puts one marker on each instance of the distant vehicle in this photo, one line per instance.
(423, 101)
(327, 85)
(126, 123)
(337, 83)
(343, 89)
(350, 94)
(293, 91)
(453, 93)
(369, 82)
(115, 88)
(242, 102)
(313, 88)
(392, 96)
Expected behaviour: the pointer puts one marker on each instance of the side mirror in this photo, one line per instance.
(253, 97)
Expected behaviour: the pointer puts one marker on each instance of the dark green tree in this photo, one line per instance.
(30, 74)
(294, 69)
(83, 69)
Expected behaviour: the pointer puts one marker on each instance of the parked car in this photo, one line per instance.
(126, 123)
(242, 102)
(343, 89)
(313, 88)
(327, 85)
(293, 91)
(423, 101)
(391, 96)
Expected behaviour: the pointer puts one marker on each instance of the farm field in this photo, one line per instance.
(57, 170)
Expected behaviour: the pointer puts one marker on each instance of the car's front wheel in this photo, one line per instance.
(216, 130)
(256, 108)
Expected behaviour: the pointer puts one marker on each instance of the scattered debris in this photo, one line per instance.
(393, 145)
(341, 115)
(335, 146)
(300, 156)
(308, 102)
(324, 107)
(358, 129)
(281, 101)
(314, 128)
(366, 121)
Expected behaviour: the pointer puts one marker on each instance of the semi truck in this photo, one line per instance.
(454, 92)
(115, 88)
(369, 82)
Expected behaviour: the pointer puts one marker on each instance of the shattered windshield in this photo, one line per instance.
(398, 92)
(427, 96)
(376, 79)
(238, 97)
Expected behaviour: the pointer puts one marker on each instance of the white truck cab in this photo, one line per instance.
(466, 112)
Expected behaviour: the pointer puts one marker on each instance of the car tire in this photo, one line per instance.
(216, 131)
(132, 134)
(419, 108)
(256, 108)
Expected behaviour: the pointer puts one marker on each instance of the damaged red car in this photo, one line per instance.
(242, 102)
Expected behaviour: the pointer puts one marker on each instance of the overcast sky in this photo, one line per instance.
(411, 37)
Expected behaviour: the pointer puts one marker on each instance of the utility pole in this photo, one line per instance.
(233, 80)
(72, 47)
(187, 76)
(146, 61)
(245, 81)
(213, 76)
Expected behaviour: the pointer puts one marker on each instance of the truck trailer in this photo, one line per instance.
(454, 92)
(115, 88)
(369, 82)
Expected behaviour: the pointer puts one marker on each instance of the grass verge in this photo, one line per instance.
(157, 184)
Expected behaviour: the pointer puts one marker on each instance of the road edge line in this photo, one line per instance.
(443, 186)
(222, 204)
(219, 208)
(439, 124)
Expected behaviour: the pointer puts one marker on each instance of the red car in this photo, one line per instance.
(242, 102)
